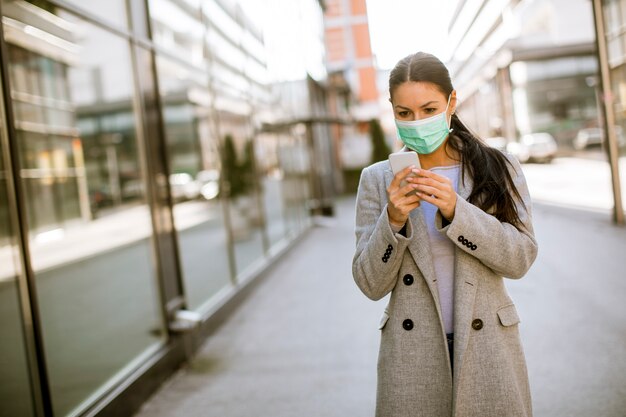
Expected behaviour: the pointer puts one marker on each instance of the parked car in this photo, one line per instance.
(497, 142)
(594, 136)
(209, 181)
(518, 150)
(541, 146)
(184, 187)
(588, 137)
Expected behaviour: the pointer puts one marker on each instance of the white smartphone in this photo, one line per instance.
(401, 160)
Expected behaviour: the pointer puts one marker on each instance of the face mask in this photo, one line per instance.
(426, 135)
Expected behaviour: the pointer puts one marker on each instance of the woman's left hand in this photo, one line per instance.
(437, 190)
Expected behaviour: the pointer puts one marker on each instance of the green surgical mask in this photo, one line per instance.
(426, 135)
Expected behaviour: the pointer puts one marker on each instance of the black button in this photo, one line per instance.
(469, 244)
(461, 238)
(387, 252)
(465, 242)
(407, 324)
(385, 259)
(477, 324)
(474, 247)
(408, 279)
(389, 247)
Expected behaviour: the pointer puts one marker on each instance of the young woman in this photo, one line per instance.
(442, 253)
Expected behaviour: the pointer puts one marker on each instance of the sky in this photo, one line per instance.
(402, 27)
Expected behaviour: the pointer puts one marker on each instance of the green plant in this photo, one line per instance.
(380, 149)
(239, 175)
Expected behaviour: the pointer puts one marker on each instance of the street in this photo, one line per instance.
(306, 342)
(574, 182)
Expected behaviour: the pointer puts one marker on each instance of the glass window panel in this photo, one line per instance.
(218, 17)
(194, 182)
(225, 49)
(90, 228)
(242, 187)
(177, 28)
(15, 395)
(272, 176)
(113, 11)
(253, 46)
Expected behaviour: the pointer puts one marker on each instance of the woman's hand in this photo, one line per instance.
(437, 190)
(400, 204)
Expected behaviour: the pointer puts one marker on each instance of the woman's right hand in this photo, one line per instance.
(400, 204)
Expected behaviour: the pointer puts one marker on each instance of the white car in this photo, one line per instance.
(540, 147)
(184, 187)
(518, 150)
(497, 142)
(594, 136)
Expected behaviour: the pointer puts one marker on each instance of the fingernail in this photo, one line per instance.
(417, 171)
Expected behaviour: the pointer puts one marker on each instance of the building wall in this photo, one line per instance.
(537, 55)
(348, 47)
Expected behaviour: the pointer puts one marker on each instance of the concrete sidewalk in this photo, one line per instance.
(305, 343)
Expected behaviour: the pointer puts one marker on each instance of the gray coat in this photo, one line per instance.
(414, 375)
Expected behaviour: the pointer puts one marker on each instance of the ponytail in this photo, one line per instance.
(493, 187)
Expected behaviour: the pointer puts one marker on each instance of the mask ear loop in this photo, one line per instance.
(450, 129)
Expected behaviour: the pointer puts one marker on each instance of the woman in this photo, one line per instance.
(442, 253)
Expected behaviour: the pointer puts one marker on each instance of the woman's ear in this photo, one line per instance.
(453, 102)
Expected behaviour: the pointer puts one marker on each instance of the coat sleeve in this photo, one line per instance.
(379, 250)
(509, 252)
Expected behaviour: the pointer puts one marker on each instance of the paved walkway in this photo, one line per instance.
(305, 343)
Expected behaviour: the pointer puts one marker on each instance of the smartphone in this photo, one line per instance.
(401, 160)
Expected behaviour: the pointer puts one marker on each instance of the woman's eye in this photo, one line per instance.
(403, 113)
(430, 110)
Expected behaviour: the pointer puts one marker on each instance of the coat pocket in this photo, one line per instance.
(383, 320)
(508, 315)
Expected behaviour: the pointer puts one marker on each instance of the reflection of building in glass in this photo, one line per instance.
(302, 93)
(41, 50)
(531, 63)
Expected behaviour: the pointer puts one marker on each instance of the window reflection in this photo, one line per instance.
(194, 178)
(90, 228)
(272, 175)
(15, 396)
(242, 187)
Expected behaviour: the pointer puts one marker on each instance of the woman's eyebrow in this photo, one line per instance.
(428, 104)
(402, 107)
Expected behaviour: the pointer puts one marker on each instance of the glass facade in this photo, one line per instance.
(83, 181)
(115, 245)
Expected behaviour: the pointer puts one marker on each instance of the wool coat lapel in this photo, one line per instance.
(419, 247)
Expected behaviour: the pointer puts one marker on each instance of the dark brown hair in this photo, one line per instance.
(493, 188)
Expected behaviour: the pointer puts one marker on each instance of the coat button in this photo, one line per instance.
(469, 244)
(407, 324)
(385, 259)
(389, 248)
(474, 247)
(461, 238)
(477, 324)
(408, 279)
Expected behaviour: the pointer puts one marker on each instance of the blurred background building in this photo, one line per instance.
(532, 63)
(535, 66)
(352, 78)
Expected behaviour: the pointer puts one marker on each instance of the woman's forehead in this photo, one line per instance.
(412, 93)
